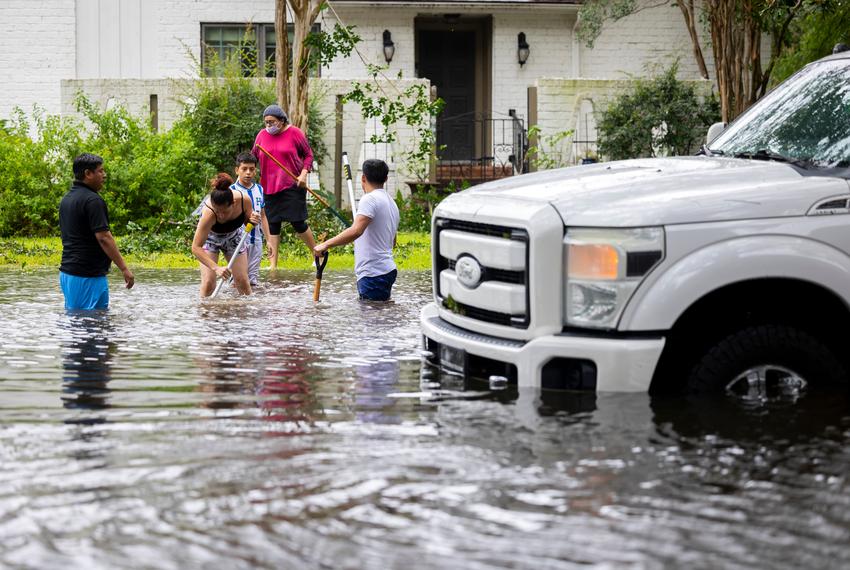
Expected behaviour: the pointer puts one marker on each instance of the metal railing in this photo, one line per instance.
(476, 147)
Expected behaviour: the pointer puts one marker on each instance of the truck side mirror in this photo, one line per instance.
(714, 132)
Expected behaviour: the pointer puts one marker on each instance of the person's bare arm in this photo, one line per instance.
(205, 224)
(110, 248)
(346, 236)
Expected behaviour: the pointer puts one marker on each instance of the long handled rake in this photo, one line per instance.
(248, 228)
(315, 194)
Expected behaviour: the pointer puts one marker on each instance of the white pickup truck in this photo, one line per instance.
(724, 271)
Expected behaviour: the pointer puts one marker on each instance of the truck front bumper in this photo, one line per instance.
(603, 363)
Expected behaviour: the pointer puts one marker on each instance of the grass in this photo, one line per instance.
(413, 252)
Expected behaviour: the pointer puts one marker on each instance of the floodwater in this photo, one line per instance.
(272, 433)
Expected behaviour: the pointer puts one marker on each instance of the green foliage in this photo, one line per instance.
(414, 215)
(813, 36)
(151, 176)
(547, 153)
(324, 47)
(415, 212)
(35, 172)
(168, 236)
(629, 127)
(412, 107)
(224, 115)
(223, 110)
(594, 13)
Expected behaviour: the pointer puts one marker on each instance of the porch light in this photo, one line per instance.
(522, 49)
(389, 46)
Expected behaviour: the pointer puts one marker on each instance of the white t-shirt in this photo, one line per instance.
(373, 251)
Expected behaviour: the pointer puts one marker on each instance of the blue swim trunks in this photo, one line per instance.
(84, 292)
(377, 288)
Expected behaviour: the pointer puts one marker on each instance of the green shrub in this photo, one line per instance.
(35, 172)
(415, 213)
(152, 177)
(223, 111)
(626, 126)
(813, 36)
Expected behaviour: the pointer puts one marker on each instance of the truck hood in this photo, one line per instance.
(662, 191)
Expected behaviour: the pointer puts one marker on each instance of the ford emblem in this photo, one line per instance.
(468, 271)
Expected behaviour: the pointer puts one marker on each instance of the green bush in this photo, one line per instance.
(151, 177)
(813, 36)
(223, 111)
(35, 172)
(626, 126)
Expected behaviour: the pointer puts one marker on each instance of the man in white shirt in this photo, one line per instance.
(374, 235)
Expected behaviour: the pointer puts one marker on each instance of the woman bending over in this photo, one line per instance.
(220, 229)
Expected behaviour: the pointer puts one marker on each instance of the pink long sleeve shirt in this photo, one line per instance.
(291, 148)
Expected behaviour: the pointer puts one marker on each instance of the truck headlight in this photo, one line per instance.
(603, 268)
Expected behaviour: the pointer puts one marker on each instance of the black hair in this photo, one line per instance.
(246, 158)
(376, 171)
(221, 194)
(85, 161)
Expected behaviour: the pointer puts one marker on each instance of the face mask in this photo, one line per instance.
(273, 130)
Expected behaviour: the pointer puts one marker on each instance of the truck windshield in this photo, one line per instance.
(805, 120)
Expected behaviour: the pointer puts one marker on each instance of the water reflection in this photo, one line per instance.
(814, 415)
(285, 389)
(375, 382)
(276, 433)
(87, 364)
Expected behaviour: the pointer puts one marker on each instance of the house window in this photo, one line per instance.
(255, 42)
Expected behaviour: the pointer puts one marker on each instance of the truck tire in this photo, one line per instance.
(767, 357)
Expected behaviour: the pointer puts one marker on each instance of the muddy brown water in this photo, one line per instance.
(273, 433)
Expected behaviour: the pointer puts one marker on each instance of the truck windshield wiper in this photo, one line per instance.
(763, 154)
(704, 150)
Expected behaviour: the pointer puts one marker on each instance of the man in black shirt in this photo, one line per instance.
(87, 244)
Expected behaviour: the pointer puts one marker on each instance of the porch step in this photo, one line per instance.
(473, 173)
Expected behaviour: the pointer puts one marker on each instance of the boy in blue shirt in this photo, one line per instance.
(246, 170)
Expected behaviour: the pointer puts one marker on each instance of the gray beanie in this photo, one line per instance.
(276, 111)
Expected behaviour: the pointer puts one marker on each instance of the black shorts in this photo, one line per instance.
(289, 205)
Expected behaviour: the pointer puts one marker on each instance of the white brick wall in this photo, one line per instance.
(399, 21)
(549, 37)
(36, 50)
(651, 37)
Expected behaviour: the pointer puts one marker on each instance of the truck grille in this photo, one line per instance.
(501, 294)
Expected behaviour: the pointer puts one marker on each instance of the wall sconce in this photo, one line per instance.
(389, 46)
(522, 49)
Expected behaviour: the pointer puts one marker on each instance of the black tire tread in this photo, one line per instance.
(766, 344)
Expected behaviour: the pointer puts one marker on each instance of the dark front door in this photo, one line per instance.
(447, 58)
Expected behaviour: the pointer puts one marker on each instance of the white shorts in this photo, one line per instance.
(225, 243)
(255, 256)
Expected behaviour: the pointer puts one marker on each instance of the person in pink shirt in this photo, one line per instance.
(285, 197)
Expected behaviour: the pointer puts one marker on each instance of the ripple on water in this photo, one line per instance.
(271, 432)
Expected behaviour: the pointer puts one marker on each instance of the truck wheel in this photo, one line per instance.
(767, 360)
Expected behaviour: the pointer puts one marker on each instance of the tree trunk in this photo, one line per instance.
(281, 55)
(687, 8)
(736, 45)
(305, 13)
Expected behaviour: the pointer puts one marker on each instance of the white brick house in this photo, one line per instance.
(468, 48)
